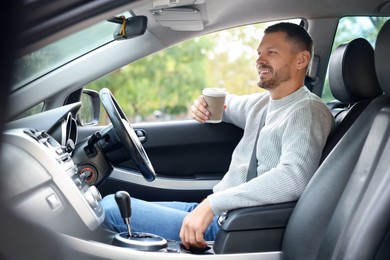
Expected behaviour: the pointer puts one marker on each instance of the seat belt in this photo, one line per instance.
(252, 168)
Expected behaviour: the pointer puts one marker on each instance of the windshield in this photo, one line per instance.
(38, 63)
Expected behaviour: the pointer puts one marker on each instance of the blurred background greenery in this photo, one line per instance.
(163, 85)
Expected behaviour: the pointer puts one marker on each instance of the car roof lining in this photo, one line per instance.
(218, 15)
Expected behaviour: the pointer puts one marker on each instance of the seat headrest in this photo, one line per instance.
(352, 75)
(382, 57)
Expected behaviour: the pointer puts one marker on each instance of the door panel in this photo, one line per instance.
(190, 149)
(189, 159)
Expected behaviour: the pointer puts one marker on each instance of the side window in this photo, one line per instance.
(162, 86)
(32, 111)
(350, 28)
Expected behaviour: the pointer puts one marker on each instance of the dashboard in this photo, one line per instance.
(41, 181)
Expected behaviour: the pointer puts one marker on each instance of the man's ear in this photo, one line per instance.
(303, 59)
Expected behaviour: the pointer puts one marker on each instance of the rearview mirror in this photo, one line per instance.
(129, 27)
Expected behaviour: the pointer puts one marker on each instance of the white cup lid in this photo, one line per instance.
(214, 92)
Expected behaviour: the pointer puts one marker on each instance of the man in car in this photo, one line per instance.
(288, 149)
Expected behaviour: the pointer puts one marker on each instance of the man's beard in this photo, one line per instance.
(279, 76)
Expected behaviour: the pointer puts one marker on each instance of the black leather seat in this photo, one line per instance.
(353, 82)
(344, 213)
(352, 76)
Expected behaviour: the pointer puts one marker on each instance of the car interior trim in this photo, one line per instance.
(161, 182)
(60, 170)
(113, 252)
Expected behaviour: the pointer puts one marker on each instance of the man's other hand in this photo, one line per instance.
(195, 224)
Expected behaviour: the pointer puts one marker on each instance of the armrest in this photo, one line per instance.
(260, 217)
(254, 229)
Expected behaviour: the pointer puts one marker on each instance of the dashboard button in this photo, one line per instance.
(53, 201)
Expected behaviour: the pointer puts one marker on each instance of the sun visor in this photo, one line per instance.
(179, 18)
(175, 3)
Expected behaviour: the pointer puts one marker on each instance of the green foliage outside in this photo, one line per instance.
(167, 82)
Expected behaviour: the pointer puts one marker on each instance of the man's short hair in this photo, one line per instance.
(296, 34)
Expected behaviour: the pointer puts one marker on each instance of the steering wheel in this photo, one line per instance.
(127, 135)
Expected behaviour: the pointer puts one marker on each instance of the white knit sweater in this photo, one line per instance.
(288, 151)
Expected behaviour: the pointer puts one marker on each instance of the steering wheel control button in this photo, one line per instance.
(141, 135)
(53, 201)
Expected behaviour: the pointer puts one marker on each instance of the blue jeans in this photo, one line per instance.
(159, 218)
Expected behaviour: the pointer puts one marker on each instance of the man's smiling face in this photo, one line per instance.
(275, 61)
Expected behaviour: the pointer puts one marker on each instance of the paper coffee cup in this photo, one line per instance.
(215, 98)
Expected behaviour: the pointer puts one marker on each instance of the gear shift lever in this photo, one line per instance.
(137, 240)
(122, 198)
